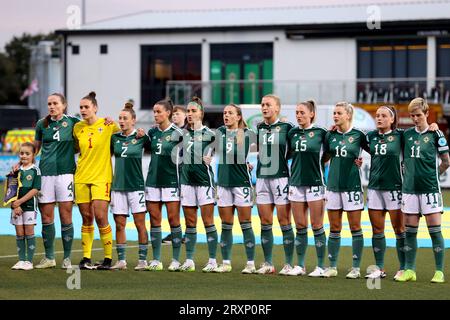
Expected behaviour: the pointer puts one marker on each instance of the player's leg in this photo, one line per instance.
(64, 198)
(377, 220)
(100, 208)
(120, 220)
(300, 214)
(206, 200)
(20, 244)
(155, 209)
(226, 213)
(354, 220)
(83, 199)
(434, 229)
(411, 209)
(30, 239)
(316, 210)
(245, 220)
(173, 215)
(398, 224)
(334, 241)
(280, 191)
(139, 222)
(47, 199)
(190, 207)
(266, 205)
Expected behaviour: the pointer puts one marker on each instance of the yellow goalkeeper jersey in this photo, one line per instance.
(94, 164)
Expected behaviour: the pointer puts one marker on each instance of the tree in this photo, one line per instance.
(17, 63)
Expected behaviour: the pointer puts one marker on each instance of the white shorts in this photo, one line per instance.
(26, 218)
(56, 189)
(272, 190)
(347, 201)
(122, 202)
(236, 196)
(306, 194)
(384, 200)
(162, 194)
(194, 196)
(424, 203)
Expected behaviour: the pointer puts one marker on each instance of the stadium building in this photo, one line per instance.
(384, 53)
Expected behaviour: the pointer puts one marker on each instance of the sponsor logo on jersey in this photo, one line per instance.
(382, 141)
(442, 142)
(64, 124)
(311, 134)
(391, 138)
(29, 177)
(426, 139)
(302, 137)
(417, 142)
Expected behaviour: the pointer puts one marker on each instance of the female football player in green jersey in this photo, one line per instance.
(344, 192)
(234, 189)
(384, 190)
(162, 186)
(306, 185)
(421, 188)
(127, 191)
(57, 164)
(272, 183)
(197, 185)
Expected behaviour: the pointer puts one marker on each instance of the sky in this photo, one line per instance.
(43, 16)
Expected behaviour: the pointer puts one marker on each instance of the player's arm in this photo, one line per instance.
(445, 162)
(30, 194)
(76, 143)
(326, 156)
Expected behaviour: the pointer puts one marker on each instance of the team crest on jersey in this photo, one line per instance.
(167, 138)
(64, 124)
(100, 130)
(351, 139)
(199, 138)
(311, 134)
(29, 177)
(426, 139)
(134, 141)
(390, 138)
(278, 128)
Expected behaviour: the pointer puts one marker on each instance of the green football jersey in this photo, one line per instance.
(273, 149)
(344, 149)
(58, 147)
(128, 151)
(306, 148)
(164, 167)
(421, 160)
(232, 156)
(30, 179)
(385, 161)
(196, 144)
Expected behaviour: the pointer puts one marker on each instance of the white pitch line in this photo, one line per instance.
(58, 252)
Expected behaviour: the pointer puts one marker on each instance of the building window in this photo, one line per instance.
(75, 49)
(103, 49)
(392, 62)
(442, 92)
(168, 62)
(252, 62)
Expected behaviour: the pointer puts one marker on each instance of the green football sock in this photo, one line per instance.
(21, 248)
(357, 247)
(67, 238)
(121, 251)
(31, 247)
(379, 248)
(438, 246)
(410, 247)
(143, 250)
(399, 245)
(48, 236)
(301, 244)
(212, 238)
(226, 240)
(320, 241)
(156, 237)
(191, 240)
(334, 244)
(249, 240)
(267, 241)
(176, 241)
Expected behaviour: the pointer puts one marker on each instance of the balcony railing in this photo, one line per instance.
(379, 90)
